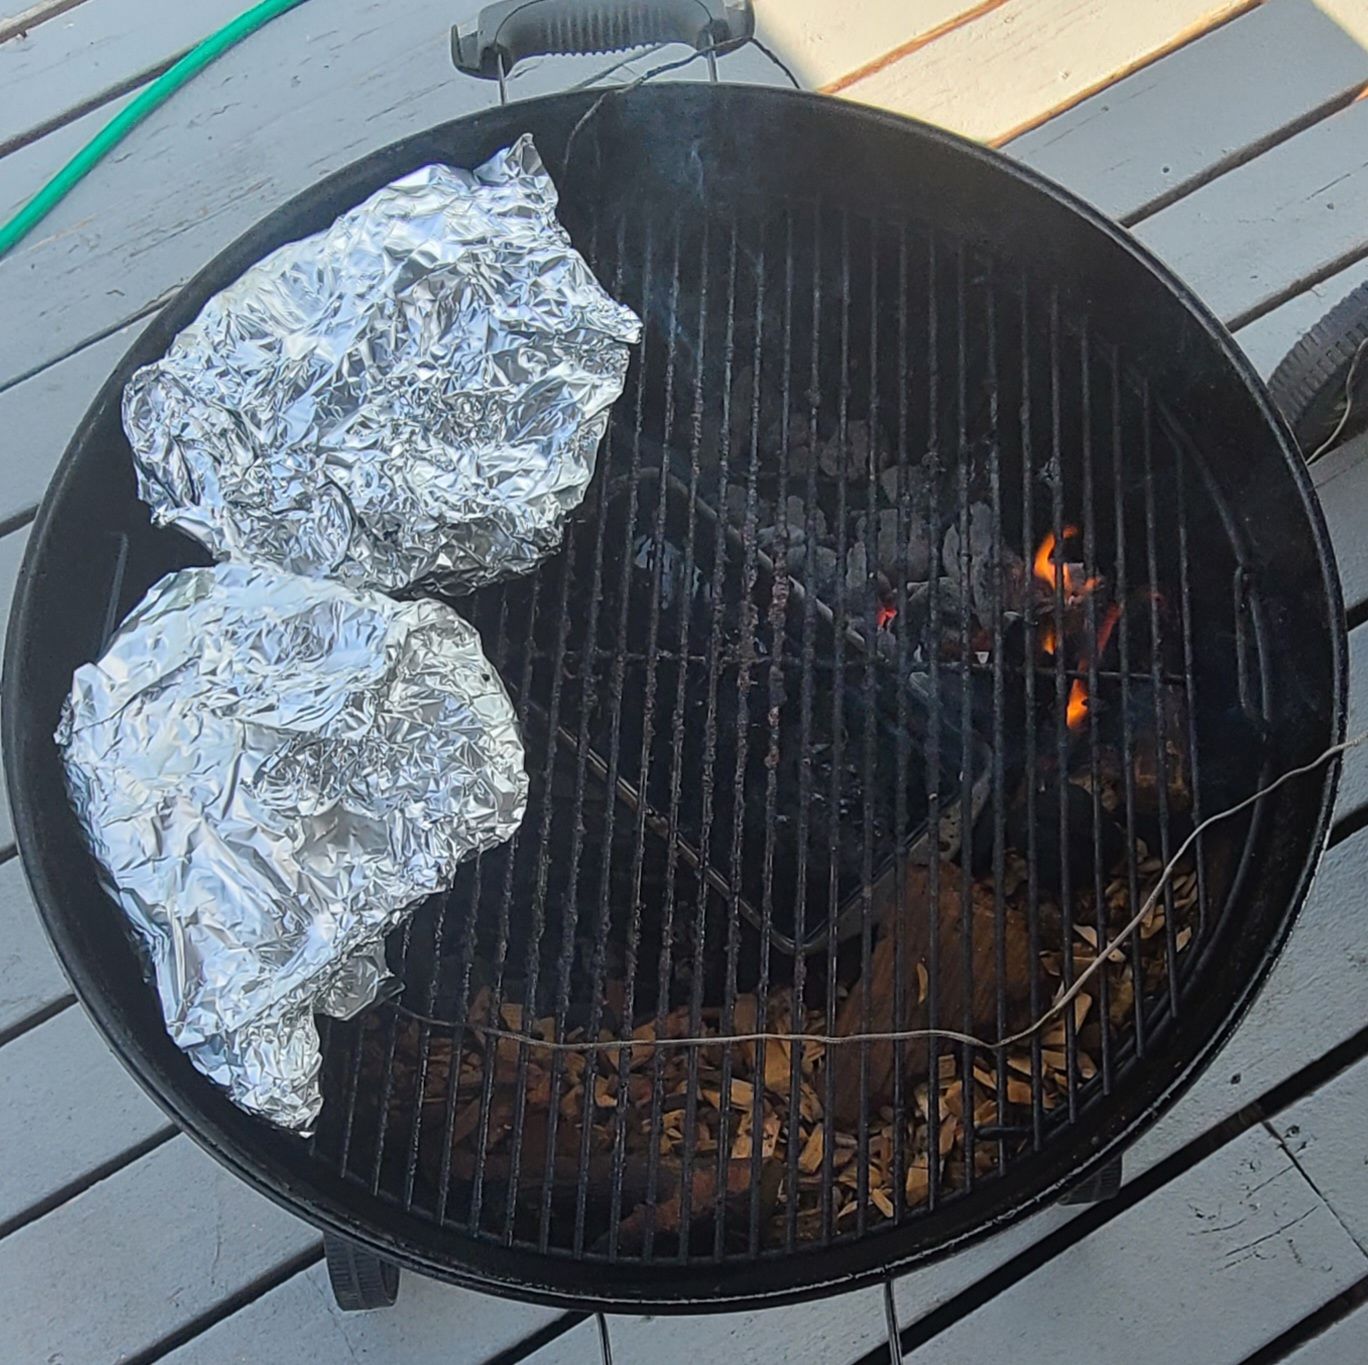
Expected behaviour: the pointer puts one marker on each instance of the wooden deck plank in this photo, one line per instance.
(823, 53)
(1182, 118)
(814, 1333)
(137, 1256)
(39, 417)
(432, 1324)
(1315, 998)
(24, 171)
(67, 1108)
(66, 61)
(1340, 1344)
(1242, 239)
(1008, 69)
(1326, 1135)
(30, 979)
(1232, 1252)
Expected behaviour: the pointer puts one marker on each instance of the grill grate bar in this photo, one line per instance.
(677, 738)
(749, 576)
(533, 958)
(1102, 988)
(903, 756)
(387, 1074)
(1190, 689)
(933, 752)
(617, 687)
(966, 814)
(837, 721)
(625, 1058)
(485, 1125)
(527, 1010)
(805, 685)
(1127, 714)
(872, 626)
(774, 684)
(999, 794)
(1028, 533)
(1160, 704)
(1061, 782)
(709, 757)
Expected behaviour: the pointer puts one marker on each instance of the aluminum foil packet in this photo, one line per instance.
(413, 397)
(271, 772)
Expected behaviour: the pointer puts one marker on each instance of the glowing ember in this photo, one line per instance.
(884, 615)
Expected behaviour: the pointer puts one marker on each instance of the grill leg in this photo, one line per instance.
(1097, 1187)
(359, 1278)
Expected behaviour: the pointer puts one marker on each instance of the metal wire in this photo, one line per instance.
(953, 1035)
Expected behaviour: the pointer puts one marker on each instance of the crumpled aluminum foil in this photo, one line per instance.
(414, 396)
(271, 771)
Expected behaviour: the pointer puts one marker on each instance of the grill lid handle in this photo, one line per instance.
(501, 35)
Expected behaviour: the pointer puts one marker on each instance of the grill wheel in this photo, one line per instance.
(1311, 382)
(360, 1279)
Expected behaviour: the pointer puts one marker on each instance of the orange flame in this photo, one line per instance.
(1046, 566)
(1077, 710)
(1049, 566)
(1047, 638)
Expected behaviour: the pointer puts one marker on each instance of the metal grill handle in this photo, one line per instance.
(502, 34)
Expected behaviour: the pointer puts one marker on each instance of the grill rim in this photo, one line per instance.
(260, 1156)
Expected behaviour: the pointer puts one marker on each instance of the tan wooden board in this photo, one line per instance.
(1022, 60)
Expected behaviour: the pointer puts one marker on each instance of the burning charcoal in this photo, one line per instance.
(799, 446)
(851, 459)
(796, 510)
(769, 538)
(742, 396)
(899, 557)
(889, 480)
(824, 564)
(857, 572)
(910, 923)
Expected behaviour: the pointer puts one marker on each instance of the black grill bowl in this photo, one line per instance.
(681, 155)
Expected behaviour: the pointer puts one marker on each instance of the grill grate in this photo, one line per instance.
(734, 735)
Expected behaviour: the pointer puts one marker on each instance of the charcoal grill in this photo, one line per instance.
(740, 737)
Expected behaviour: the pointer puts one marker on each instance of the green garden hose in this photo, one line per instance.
(128, 118)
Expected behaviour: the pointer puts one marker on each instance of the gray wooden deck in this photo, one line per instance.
(1231, 137)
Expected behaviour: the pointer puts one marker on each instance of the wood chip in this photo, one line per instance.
(810, 1158)
(918, 1183)
(881, 1201)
